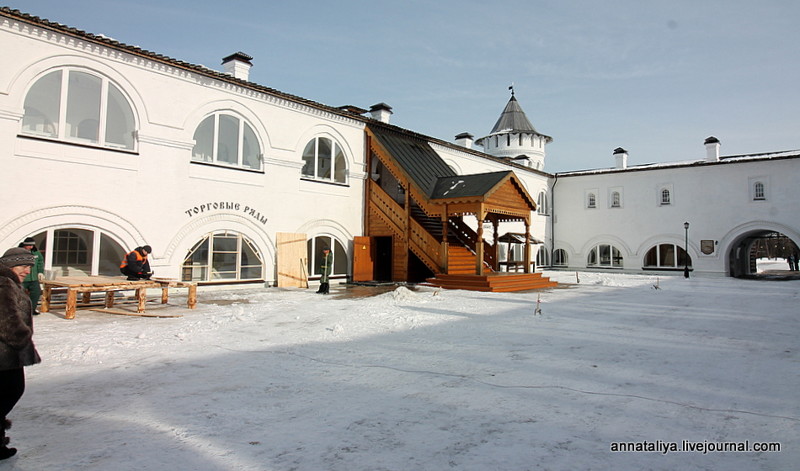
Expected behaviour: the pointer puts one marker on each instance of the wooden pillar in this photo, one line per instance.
(496, 246)
(479, 246)
(407, 244)
(527, 246)
(445, 243)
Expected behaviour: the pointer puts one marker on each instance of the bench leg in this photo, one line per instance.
(164, 295)
(72, 300)
(87, 297)
(141, 296)
(46, 294)
(192, 297)
(109, 299)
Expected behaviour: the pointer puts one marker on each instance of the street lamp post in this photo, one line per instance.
(686, 251)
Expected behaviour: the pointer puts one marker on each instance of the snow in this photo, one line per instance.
(422, 379)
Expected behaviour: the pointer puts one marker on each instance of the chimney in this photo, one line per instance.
(238, 65)
(464, 140)
(712, 149)
(621, 156)
(381, 112)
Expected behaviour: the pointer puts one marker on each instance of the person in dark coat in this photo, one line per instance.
(325, 269)
(16, 336)
(135, 264)
(31, 282)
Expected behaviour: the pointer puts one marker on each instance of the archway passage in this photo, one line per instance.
(750, 248)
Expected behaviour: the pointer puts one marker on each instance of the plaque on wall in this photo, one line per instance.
(707, 247)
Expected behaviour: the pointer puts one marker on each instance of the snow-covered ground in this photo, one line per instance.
(273, 379)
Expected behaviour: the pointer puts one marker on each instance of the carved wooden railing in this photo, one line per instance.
(385, 206)
(468, 238)
(426, 247)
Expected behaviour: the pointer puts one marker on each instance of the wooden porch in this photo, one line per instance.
(418, 203)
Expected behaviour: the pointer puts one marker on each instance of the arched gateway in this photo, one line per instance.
(756, 244)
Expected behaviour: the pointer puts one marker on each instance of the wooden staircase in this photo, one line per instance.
(461, 261)
(493, 282)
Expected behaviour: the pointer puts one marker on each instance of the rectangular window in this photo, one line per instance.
(83, 106)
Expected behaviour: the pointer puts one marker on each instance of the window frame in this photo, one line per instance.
(220, 121)
(677, 257)
(599, 252)
(71, 106)
(212, 250)
(591, 200)
(543, 207)
(341, 261)
(759, 191)
(560, 258)
(336, 151)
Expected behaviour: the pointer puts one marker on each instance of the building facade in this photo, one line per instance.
(107, 147)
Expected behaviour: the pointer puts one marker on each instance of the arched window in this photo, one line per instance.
(666, 197)
(560, 258)
(72, 252)
(591, 201)
(323, 159)
(542, 203)
(758, 191)
(223, 256)
(605, 256)
(542, 257)
(74, 105)
(667, 256)
(615, 199)
(315, 247)
(225, 139)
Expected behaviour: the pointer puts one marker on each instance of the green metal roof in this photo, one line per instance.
(422, 164)
(463, 186)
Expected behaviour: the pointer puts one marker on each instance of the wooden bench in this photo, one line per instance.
(109, 285)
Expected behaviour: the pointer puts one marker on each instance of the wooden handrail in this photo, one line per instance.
(426, 247)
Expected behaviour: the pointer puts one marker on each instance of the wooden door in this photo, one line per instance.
(292, 260)
(363, 259)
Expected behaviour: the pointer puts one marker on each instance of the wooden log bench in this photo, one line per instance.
(86, 285)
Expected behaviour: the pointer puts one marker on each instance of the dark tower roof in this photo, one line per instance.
(513, 119)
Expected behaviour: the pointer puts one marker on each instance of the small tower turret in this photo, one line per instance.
(513, 137)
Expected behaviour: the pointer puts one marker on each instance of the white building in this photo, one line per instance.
(106, 147)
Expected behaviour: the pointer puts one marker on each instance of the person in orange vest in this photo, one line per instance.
(135, 264)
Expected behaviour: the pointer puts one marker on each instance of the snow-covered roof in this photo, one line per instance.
(790, 154)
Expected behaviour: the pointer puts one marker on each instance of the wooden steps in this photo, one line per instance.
(460, 261)
(494, 282)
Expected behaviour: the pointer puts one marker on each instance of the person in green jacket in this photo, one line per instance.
(31, 283)
(325, 268)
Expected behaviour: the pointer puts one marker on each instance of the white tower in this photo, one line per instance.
(513, 137)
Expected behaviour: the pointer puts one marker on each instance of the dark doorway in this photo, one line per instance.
(417, 271)
(383, 259)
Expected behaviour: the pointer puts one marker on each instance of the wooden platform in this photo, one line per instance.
(494, 282)
(87, 285)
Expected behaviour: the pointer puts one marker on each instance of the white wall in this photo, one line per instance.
(150, 196)
(716, 200)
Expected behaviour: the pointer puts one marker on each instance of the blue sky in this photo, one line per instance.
(654, 77)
